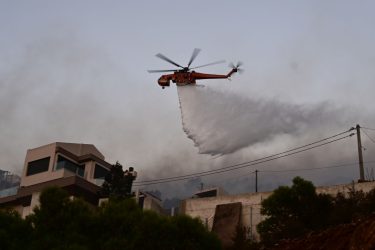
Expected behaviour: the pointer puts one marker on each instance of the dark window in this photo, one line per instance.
(62, 162)
(100, 172)
(38, 166)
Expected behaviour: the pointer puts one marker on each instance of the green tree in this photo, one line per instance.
(61, 223)
(15, 233)
(351, 206)
(118, 183)
(126, 226)
(190, 233)
(293, 211)
(117, 221)
(242, 242)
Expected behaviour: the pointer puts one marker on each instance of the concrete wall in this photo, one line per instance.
(204, 208)
(345, 188)
(150, 203)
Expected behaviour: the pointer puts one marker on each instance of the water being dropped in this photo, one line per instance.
(223, 122)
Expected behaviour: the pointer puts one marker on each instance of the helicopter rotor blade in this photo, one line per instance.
(160, 71)
(193, 56)
(208, 64)
(163, 57)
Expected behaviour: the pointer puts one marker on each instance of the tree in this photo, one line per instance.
(352, 206)
(242, 242)
(126, 226)
(293, 211)
(15, 233)
(118, 183)
(60, 222)
(63, 223)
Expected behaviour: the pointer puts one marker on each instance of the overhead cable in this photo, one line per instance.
(319, 168)
(242, 165)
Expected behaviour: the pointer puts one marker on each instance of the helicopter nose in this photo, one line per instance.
(164, 82)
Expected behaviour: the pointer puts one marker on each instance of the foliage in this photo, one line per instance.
(354, 205)
(64, 223)
(15, 233)
(293, 211)
(59, 222)
(136, 229)
(118, 183)
(242, 242)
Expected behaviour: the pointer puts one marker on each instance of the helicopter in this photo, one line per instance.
(186, 75)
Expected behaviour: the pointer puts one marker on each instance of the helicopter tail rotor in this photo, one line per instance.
(236, 67)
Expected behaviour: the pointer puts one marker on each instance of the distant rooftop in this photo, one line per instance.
(78, 149)
(209, 192)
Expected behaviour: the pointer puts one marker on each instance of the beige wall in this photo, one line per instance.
(204, 208)
(50, 151)
(34, 202)
(36, 154)
(19, 209)
(150, 203)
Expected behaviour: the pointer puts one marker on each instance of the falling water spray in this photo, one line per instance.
(223, 122)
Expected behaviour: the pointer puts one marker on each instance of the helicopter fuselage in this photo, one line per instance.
(182, 77)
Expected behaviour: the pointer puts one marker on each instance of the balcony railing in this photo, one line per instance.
(9, 191)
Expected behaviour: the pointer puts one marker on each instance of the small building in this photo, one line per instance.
(229, 211)
(76, 167)
(209, 192)
(149, 201)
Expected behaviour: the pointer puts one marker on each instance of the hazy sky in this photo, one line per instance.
(76, 71)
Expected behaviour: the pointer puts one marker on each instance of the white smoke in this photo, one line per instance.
(223, 122)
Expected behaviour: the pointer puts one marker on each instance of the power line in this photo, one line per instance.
(368, 136)
(244, 163)
(230, 168)
(307, 169)
(368, 128)
(239, 166)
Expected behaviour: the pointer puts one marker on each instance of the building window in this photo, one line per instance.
(69, 165)
(100, 172)
(38, 166)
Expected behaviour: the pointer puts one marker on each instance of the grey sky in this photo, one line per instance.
(76, 71)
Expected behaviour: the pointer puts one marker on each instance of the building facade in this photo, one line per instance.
(78, 168)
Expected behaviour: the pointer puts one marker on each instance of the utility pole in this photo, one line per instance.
(360, 157)
(251, 223)
(256, 181)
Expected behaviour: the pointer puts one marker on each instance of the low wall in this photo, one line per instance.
(204, 208)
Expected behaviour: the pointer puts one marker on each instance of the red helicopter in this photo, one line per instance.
(185, 76)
